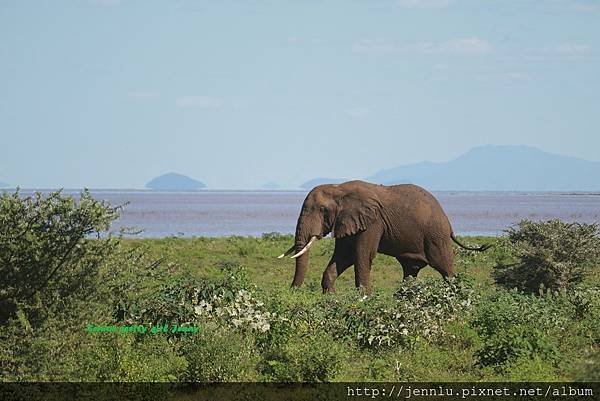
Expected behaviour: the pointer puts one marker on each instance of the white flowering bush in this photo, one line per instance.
(419, 309)
(444, 297)
(241, 311)
(188, 300)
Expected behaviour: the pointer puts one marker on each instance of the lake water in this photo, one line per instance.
(251, 213)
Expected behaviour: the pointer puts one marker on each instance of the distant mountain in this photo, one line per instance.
(4, 185)
(174, 182)
(271, 185)
(310, 184)
(499, 168)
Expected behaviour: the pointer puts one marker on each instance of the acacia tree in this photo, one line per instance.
(551, 254)
(50, 246)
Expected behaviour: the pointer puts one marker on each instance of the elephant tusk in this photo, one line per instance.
(286, 252)
(303, 251)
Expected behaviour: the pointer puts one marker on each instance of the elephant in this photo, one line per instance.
(403, 221)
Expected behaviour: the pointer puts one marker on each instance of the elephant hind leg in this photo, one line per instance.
(441, 258)
(411, 267)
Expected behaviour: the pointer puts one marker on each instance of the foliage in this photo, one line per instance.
(516, 326)
(506, 308)
(57, 351)
(253, 327)
(307, 357)
(130, 359)
(275, 236)
(588, 368)
(45, 248)
(550, 254)
(514, 342)
(242, 310)
(530, 368)
(185, 299)
(216, 354)
(419, 309)
(436, 361)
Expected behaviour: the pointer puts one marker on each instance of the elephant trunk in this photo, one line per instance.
(305, 235)
(301, 268)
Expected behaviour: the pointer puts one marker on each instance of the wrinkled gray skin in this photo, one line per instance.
(403, 221)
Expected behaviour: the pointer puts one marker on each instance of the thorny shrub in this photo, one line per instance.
(552, 254)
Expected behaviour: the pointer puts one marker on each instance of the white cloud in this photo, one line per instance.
(424, 3)
(473, 45)
(199, 102)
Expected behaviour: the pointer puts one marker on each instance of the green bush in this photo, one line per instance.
(118, 357)
(305, 357)
(516, 342)
(297, 346)
(45, 249)
(432, 362)
(169, 303)
(217, 354)
(275, 236)
(588, 368)
(585, 299)
(514, 326)
(184, 299)
(503, 308)
(297, 311)
(550, 254)
(61, 350)
(530, 368)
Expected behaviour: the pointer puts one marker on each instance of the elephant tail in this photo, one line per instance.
(480, 249)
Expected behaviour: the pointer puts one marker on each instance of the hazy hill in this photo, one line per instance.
(174, 182)
(310, 184)
(271, 185)
(499, 168)
(3, 185)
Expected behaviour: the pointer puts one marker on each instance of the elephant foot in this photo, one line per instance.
(364, 290)
(329, 290)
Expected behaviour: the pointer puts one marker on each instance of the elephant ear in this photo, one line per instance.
(357, 213)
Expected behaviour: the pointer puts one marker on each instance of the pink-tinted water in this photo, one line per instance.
(251, 213)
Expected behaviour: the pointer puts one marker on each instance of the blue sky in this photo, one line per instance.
(111, 93)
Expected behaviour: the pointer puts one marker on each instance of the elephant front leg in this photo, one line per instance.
(334, 269)
(362, 274)
(342, 259)
(366, 249)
